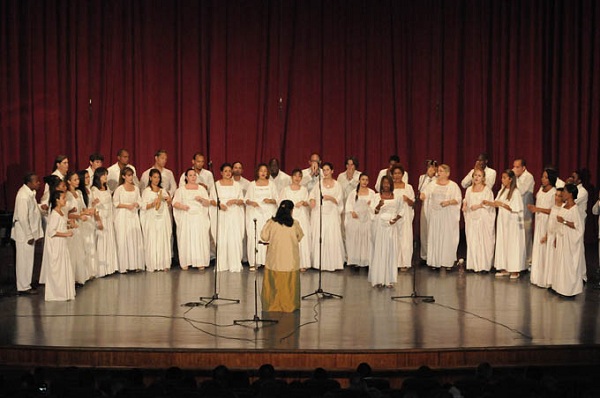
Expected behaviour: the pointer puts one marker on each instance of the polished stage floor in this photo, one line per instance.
(148, 311)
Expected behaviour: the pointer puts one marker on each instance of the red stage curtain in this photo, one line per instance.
(249, 80)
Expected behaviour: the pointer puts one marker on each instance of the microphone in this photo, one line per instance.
(210, 164)
(254, 220)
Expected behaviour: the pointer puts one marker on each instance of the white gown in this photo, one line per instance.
(510, 234)
(424, 181)
(358, 230)
(383, 269)
(550, 255)
(570, 254)
(443, 224)
(59, 278)
(332, 243)
(301, 214)
(193, 227)
(261, 214)
(128, 230)
(81, 263)
(106, 243)
(539, 269)
(405, 228)
(230, 227)
(479, 230)
(157, 229)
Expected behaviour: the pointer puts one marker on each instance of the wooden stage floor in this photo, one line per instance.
(141, 320)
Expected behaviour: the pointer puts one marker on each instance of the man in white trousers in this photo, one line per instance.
(26, 230)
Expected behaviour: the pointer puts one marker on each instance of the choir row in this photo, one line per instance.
(343, 220)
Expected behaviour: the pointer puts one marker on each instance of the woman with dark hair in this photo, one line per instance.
(383, 269)
(87, 228)
(510, 229)
(406, 194)
(77, 213)
(56, 262)
(298, 194)
(544, 200)
(357, 221)
(281, 279)
(261, 204)
(190, 208)
(570, 252)
(332, 253)
(443, 199)
(130, 240)
(157, 226)
(106, 244)
(231, 224)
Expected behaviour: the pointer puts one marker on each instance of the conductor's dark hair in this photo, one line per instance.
(284, 213)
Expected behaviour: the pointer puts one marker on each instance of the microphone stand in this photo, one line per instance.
(255, 319)
(320, 292)
(414, 294)
(208, 300)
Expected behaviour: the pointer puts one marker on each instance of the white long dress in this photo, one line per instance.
(443, 224)
(193, 227)
(128, 230)
(301, 214)
(106, 243)
(570, 254)
(332, 243)
(405, 228)
(550, 255)
(230, 227)
(60, 281)
(510, 234)
(358, 230)
(261, 214)
(424, 181)
(383, 269)
(539, 269)
(157, 229)
(479, 230)
(82, 268)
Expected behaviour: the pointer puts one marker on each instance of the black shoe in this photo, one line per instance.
(30, 292)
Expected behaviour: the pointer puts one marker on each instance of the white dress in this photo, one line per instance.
(106, 243)
(550, 255)
(510, 234)
(230, 227)
(405, 228)
(479, 230)
(358, 230)
(424, 181)
(261, 214)
(193, 227)
(332, 243)
(301, 214)
(570, 254)
(383, 269)
(157, 229)
(60, 282)
(443, 224)
(81, 263)
(539, 269)
(128, 230)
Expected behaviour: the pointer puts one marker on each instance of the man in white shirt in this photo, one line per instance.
(114, 171)
(394, 159)
(349, 179)
(525, 184)
(96, 160)
(577, 178)
(168, 179)
(310, 175)
(279, 178)
(26, 230)
(237, 171)
(490, 174)
(205, 177)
